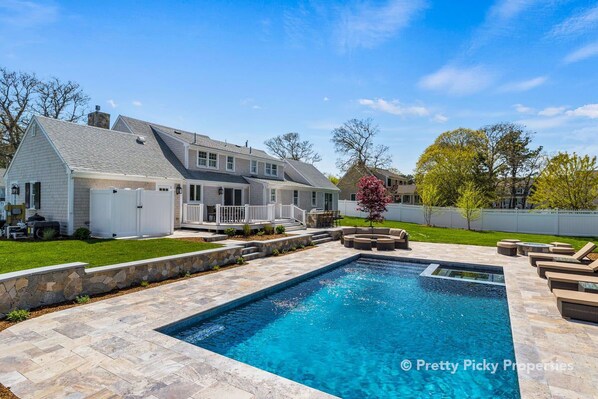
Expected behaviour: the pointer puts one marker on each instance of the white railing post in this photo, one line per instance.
(201, 210)
(271, 213)
(303, 216)
(218, 214)
(184, 213)
(247, 216)
(280, 210)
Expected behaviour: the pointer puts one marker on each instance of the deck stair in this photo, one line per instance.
(321, 237)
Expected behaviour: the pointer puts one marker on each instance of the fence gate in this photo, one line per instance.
(131, 213)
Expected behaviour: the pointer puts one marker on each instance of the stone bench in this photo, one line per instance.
(506, 248)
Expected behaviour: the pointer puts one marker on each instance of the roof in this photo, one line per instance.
(197, 139)
(92, 149)
(214, 176)
(389, 173)
(278, 183)
(313, 176)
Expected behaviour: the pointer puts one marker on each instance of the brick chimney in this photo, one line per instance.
(99, 119)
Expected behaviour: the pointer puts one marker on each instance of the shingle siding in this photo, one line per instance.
(121, 126)
(348, 183)
(177, 148)
(38, 161)
(242, 165)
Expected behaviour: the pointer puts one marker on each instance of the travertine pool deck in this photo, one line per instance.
(110, 349)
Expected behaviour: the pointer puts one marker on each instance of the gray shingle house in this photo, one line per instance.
(215, 184)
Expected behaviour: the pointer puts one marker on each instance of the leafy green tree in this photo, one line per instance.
(470, 203)
(430, 198)
(449, 162)
(567, 182)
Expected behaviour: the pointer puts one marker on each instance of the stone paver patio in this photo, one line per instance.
(110, 349)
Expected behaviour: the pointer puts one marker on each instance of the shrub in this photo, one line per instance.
(269, 229)
(240, 260)
(188, 274)
(230, 232)
(284, 251)
(293, 249)
(48, 234)
(82, 299)
(280, 229)
(144, 283)
(82, 233)
(215, 268)
(18, 315)
(275, 252)
(310, 244)
(246, 230)
(301, 246)
(261, 233)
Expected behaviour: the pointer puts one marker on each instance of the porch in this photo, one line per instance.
(220, 217)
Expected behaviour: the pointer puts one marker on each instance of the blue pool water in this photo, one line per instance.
(347, 332)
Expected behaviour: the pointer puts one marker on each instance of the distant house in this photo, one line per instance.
(2, 186)
(399, 187)
(58, 163)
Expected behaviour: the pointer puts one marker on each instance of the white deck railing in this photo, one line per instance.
(259, 213)
(225, 214)
(193, 213)
(298, 214)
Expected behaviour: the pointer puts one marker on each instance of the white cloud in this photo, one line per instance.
(577, 24)
(24, 14)
(136, 103)
(365, 25)
(552, 111)
(522, 109)
(439, 118)
(524, 85)
(588, 110)
(325, 99)
(250, 103)
(590, 50)
(112, 103)
(458, 81)
(394, 107)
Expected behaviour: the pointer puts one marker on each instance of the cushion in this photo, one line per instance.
(503, 244)
(395, 232)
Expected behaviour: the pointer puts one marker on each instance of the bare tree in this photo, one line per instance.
(354, 141)
(59, 100)
(23, 95)
(290, 146)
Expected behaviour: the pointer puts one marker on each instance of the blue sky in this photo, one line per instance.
(252, 70)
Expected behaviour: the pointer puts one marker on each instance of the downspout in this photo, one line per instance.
(70, 204)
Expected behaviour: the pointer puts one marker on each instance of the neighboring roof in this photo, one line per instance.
(389, 173)
(313, 176)
(196, 139)
(278, 183)
(93, 149)
(214, 176)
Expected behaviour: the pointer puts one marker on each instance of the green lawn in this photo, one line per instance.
(458, 236)
(21, 255)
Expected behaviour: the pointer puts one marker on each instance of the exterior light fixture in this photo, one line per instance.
(220, 191)
(14, 190)
(178, 189)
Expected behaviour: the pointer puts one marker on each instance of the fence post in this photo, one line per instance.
(218, 214)
(247, 219)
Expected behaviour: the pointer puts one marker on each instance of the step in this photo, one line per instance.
(215, 237)
(322, 240)
(253, 255)
(249, 250)
(295, 228)
(320, 236)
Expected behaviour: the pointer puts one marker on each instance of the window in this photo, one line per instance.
(230, 163)
(328, 202)
(389, 182)
(33, 195)
(295, 197)
(271, 169)
(353, 197)
(272, 195)
(253, 167)
(314, 198)
(207, 159)
(194, 193)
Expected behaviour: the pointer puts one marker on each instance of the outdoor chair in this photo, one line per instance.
(577, 305)
(577, 257)
(566, 281)
(506, 248)
(565, 267)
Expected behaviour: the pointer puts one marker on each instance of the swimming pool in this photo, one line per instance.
(353, 330)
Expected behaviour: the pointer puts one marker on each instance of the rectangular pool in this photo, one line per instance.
(365, 329)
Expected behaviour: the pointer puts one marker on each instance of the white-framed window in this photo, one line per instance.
(253, 167)
(314, 198)
(207, 159)
(194, 193)
(272, 195)
(271, 169)
(230, 163)
(296, 197)
(33, 192)
(353, 197)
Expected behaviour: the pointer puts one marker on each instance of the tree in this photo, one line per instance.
(354, 142)
(430, 197)
(333, 179)
(567, 182)
(448, 163)
(372, 198)
(470, 203)
(23, 95)
(290, 146)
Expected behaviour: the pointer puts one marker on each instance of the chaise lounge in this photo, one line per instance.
(577, 257)
(577, 305)
(566, 267)
(566, 281)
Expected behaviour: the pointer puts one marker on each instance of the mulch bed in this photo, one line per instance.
(255, 237)
(6, 394)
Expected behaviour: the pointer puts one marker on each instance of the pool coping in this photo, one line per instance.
(60, 353)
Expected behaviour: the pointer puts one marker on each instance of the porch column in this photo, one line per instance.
(271, 213)
(247, 219)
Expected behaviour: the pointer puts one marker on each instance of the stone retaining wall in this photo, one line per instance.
(282, 244)
(49, 285)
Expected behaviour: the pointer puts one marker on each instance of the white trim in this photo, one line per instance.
(180, 140)
(208, 183)
(270, 174)
(257, 169)
(270, 201)
(70, 202)
(207, 165)
(124, 121)
(236, 154)
(186, 155)
(226, 163)
(188, 186)
(115, 176)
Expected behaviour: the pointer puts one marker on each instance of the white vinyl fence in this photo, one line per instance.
(556, 222)
(131, 213)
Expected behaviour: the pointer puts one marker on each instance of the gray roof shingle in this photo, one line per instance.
(312, 175)
(92, 149)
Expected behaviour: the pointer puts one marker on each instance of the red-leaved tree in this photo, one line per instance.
(372, 198)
